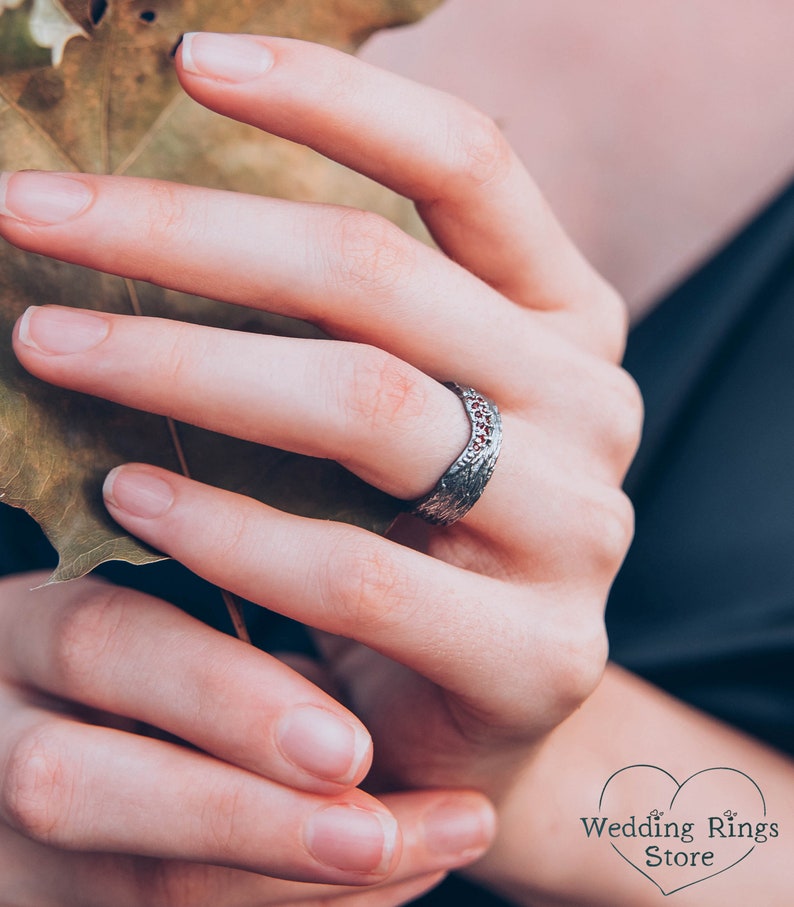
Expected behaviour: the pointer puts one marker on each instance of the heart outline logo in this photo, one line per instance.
(680, 788)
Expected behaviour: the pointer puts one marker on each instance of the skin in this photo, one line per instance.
(629, 722)
(654, 130)
(642, 123)
(505, 304)
(540, 780)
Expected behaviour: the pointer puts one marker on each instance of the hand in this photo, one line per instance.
(101, 807)
(478, 644)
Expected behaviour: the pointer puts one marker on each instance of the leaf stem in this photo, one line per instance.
(233, 604)
(135, 302)
(235, 609)
(178, 448)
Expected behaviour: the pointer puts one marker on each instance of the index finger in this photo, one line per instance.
(477, 199)
(132, 655)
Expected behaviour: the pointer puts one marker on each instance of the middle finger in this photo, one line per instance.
(353, 273)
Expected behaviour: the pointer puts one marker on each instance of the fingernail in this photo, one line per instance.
(43, 198)
(352, 839)
(57, 331)
(322, 744)
(137, 492)
(227, 58)
(461, 828)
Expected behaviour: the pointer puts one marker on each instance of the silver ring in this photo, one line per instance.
(461, 486)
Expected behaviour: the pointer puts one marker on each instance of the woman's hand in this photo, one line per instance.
(99, 804)
(479, 643)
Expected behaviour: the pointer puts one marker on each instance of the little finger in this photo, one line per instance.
(415, 609)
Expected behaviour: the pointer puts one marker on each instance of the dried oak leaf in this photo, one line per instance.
(113, 105)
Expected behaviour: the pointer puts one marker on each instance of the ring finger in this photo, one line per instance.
(349, 402)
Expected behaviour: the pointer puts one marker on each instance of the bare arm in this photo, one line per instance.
(544, 856)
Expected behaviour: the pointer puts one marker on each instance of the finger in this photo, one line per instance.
(129, 654)
(378, 416)
(356, 275)
(348, 402)
(428, 615)
(442, 831)
(391, 895)
(88, 788)
(476, 197)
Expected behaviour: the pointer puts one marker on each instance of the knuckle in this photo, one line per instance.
(611, 526)
(597, 317)
(168, 213)
(36, 787)
(85, 635)
(477, 153)
(369, 253)
(380, 392)
(612, 315)
(617, 408)
(233, 539)
(171, 222)
(365, 591)
(582, 650)
(627, 414)
(179, 355)
(220, 821)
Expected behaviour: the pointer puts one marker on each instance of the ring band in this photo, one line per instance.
(461, 486)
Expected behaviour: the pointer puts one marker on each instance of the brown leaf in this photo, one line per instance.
(114, 106)
(87, 13)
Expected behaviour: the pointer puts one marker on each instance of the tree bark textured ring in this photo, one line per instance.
(461, 486)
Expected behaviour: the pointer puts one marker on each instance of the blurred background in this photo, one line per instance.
(654, 128)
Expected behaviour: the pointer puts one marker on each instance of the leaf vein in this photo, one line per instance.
(165, 114)
(36, 127)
